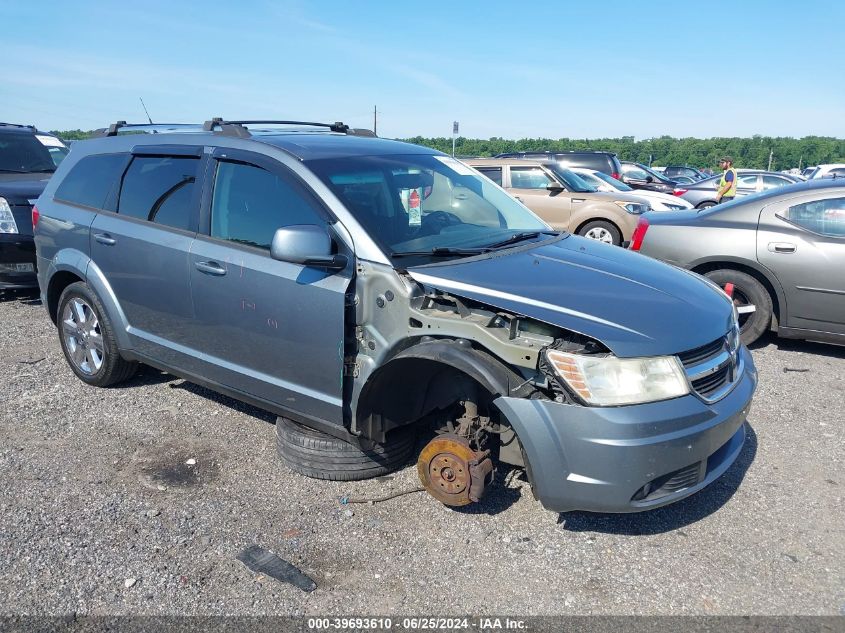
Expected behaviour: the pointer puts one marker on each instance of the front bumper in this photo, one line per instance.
(632, 458)
(17, 252)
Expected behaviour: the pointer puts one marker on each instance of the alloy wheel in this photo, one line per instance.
(599, 233)
(82, 336)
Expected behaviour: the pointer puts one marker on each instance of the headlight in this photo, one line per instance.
(634, 208)
(7, 220)
(608, 380)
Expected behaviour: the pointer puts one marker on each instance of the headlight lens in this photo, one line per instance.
(609, 381)
(7, 220)
(634, 208)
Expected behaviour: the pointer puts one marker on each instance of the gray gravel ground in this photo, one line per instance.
(95, 491)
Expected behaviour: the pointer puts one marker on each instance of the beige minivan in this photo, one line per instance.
(563, 199)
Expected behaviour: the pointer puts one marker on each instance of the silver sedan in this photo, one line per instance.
(779, 254)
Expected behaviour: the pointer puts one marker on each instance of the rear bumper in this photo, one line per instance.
(633, 458)
(17, 252)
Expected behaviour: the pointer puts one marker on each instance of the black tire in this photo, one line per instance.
(706, 205)
(747, 290)
(114, 368)
(321, 456)
(616, 237)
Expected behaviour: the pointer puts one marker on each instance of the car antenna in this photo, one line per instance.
(145, 111)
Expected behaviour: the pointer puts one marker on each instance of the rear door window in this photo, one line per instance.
(91, 180)
(160, 189)
(771, 182)
(250, 203)
(747, 182)
(825, 217)
(493, 173)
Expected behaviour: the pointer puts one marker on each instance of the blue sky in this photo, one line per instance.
(511, 69)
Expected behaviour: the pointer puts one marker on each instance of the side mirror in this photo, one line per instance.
(306, 244)
(555, 187)
(649, 179)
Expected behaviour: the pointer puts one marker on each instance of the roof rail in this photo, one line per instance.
(239, 129)
(31, 127)
(151, 128)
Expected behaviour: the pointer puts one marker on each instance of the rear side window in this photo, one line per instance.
(160, 189)
(250, 203)
(826, 217)
(493, 173)
(529, 178)
(90, 181)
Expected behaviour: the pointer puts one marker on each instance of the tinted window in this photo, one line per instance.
(493, 173)
(634, 172)
(838, 172)
(250, 203)
(90, 181)
(160, 189)
(826, 217)
(529, 178)
(24, 153)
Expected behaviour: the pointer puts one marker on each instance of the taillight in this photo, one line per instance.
(639, 234)
(679, 192)
(35, 216)
(616, 175)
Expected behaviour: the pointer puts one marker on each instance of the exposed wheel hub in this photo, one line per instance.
(452, 472)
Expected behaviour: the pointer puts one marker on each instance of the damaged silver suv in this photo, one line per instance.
(364, 290)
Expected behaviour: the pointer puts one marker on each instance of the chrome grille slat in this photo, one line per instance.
(713, 369)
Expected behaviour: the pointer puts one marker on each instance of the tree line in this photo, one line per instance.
(751, 153)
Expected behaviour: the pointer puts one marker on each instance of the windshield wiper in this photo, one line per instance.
(442, 251)
(520, 237)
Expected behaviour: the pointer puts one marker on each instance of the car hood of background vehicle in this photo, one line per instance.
(633, 304)
(19, 188)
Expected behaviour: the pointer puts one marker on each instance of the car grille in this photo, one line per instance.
(714, 368)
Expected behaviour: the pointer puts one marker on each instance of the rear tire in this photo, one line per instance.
(601, 231)
(747, 292)
(87, 338)
(706, 205)
(321, 456)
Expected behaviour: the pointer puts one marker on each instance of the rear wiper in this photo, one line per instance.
(442, 251)
(519, 237)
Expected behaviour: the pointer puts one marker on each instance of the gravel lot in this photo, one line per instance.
(95, 491)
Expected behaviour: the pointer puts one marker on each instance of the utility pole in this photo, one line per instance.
(800, 160)
(771, 153)
(454, 135)
(375, 121)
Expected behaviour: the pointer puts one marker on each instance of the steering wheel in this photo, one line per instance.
(435, 221)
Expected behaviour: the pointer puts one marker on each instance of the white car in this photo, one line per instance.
(836, 170)
(658, 201)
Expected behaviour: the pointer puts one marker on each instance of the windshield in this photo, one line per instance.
(616, 184)
(573, 181)
(26, 153)
(419, 203)
(654, 174)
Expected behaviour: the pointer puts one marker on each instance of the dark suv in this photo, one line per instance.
(605, 162)
(368, 291)
(27, 159)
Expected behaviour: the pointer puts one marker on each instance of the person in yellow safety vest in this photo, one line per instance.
(727, 185)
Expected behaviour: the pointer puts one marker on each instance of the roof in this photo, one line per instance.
(316, 145)
(480, 162)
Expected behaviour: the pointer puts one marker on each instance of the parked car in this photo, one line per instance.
(684, 180)
(749, 181)
(782, 252)
(563, 200)
(827, 171)
(807, 172)
(365, 289)
(658, 201)
(640, 177)
(27, 158)
(674, 171)
(606, 162)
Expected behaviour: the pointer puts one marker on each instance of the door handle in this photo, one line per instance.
(105, 238)
(579, 199)
(518, 198)
(782, 247)
(212, 268)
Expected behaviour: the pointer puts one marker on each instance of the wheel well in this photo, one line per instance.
(58, 283)
(605, 220)
(705, 204)
(748, 270)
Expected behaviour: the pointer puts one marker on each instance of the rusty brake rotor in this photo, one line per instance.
(452, 472)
